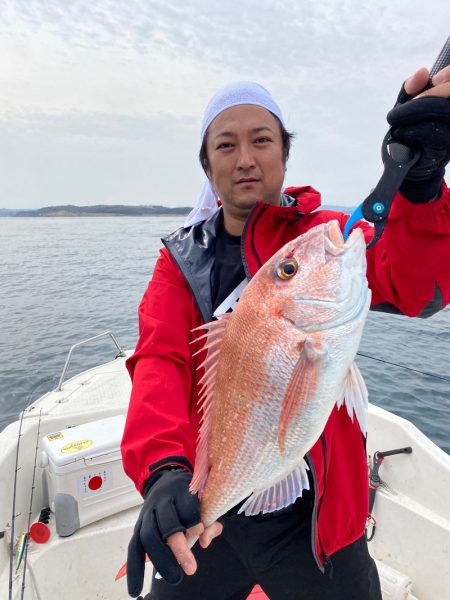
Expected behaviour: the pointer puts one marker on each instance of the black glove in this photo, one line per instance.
(422, 124)
(168, 507)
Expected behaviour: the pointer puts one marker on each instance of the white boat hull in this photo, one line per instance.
(411, 541)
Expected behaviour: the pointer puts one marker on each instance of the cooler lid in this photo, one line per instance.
(86, 440)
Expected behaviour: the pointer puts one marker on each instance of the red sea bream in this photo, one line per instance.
(274, 370)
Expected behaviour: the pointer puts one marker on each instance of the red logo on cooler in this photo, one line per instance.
(95, 482)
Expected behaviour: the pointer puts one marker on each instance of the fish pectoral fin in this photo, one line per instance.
(281, 494)
(303, 382)
(356, 397)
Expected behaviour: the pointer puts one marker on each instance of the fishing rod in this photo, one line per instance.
(13, 518)
(16, 470)
(404, 367)
(27, 534)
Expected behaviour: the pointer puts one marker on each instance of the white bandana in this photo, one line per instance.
(234, 94)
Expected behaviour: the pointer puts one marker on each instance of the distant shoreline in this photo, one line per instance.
(119, 210)
(99, 210)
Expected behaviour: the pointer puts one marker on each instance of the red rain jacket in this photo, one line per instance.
(408, 268)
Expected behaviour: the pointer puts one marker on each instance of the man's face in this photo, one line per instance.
(245, 154)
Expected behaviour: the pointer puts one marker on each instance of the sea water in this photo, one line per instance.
(63, 280)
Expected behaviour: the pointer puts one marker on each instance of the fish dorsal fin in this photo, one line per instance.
(281, 494)
(303, 382)
(214, 337)
(355, 397)
(215, 332)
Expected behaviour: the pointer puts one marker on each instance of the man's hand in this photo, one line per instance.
(180, 544)
(421, 120)
(169, 516)
(417, 82)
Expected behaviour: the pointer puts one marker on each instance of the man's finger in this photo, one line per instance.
(443, 76)
(162, 558)
(178, 544)
(417, 82)
(135, 565)
(439, 91)
(188, 509)
(195, 531)
(210, 533)
(168, 520)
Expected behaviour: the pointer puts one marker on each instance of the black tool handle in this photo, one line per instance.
(442, 60)
(406, 450)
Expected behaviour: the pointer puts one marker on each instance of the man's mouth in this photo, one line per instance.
(247, 180)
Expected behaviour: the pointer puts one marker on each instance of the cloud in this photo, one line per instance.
(108, 79)
(140, 56)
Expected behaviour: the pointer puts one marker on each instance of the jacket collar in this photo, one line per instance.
(307, 198)
(192, 248)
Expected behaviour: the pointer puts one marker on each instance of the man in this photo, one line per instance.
(315, 548)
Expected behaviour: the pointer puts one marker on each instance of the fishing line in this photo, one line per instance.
(31, 507)
(404, 367)
(13, 518)
(16, 470)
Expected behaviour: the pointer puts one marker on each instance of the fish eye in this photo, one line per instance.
(287, 269)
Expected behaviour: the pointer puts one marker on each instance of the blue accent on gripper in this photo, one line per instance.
(378, 208)
(356, 215)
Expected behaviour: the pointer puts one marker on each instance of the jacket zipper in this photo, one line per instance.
(247, 224)
(314, 515)
(251, 222)
(327, 564)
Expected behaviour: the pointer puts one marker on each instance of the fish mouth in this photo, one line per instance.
(350, 252)
(335, 243)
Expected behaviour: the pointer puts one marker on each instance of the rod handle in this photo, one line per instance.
(442, 60)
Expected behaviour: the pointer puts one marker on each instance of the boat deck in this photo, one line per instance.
(411, 542)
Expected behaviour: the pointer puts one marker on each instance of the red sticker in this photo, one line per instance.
(95, 482)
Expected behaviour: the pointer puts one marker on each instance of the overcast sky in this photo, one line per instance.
(101, 102)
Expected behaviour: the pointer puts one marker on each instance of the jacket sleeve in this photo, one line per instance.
(159, 430)
(408, 269)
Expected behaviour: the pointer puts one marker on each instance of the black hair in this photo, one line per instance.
(286, 139)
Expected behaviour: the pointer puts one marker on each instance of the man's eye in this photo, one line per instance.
(224, 145)
(262, 140)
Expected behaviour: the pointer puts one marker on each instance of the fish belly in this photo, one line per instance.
(251, 386)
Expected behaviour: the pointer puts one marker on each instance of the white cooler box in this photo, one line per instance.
(84, 474)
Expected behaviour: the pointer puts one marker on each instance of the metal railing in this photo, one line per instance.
(96, 337)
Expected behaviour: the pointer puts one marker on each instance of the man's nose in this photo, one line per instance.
(245, 159)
